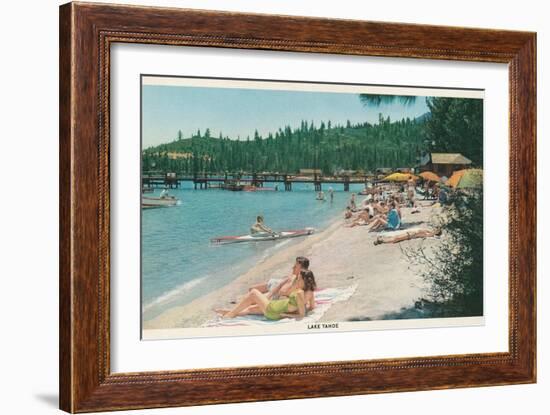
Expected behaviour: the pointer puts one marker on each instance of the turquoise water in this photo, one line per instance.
(178, 263)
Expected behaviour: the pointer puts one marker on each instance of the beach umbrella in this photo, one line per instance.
(464, 179)
(430, 176)
(455, 178)
(472, 178)
(400, 177)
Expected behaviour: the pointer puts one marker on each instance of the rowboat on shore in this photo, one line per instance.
(158, 202)
(263, 237)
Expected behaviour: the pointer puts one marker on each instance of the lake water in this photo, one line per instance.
(178, 263)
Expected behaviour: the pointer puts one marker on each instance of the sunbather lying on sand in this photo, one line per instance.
(300, 300)
(407, 235)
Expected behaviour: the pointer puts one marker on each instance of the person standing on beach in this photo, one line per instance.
(442, 196)
(331, 194)
(426, 190)
(352, 204)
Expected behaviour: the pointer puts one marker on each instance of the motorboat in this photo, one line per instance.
(158, 202)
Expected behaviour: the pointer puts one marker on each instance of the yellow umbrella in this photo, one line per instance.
(429, 176)
(400, 177)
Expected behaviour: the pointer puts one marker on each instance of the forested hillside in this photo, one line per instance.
(351, 147)
(452, 125)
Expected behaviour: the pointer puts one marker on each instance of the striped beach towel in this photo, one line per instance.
(324, 299)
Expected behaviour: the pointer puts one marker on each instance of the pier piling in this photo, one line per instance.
(205, 180)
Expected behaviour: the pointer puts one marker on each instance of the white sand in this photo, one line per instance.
(339, 256)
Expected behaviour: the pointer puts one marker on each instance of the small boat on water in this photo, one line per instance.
(249, 188)
(233, 186)
(158, 202)
(147, 190)
(264, 237)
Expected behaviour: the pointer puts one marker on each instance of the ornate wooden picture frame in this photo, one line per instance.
(87, 32)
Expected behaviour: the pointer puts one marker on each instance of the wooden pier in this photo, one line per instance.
(212, 180)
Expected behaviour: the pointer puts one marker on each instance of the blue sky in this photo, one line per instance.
(238, 112)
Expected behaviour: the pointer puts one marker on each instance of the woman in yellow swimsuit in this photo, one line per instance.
(300, 300)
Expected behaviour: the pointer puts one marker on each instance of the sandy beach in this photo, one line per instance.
(340, 256)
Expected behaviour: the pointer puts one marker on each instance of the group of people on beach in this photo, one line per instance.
(293, 296)
(377, 215)
(289, 297)
(381, 210)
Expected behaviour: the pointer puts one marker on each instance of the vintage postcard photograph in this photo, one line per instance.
(274, 207)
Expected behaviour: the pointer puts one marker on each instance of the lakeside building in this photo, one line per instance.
(444, 164)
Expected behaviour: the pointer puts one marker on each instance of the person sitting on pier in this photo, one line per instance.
(260, 229)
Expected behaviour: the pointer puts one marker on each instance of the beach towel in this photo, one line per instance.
(324, 299)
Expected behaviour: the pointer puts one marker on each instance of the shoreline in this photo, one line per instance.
(340, 257)
(277, 265)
